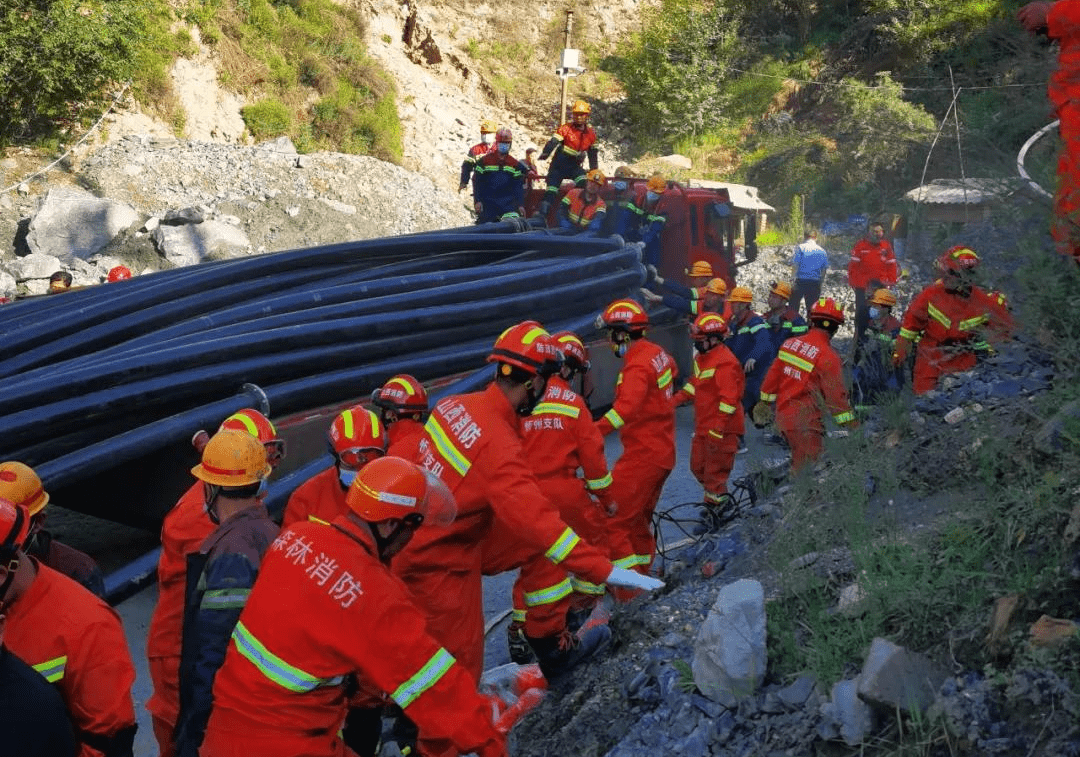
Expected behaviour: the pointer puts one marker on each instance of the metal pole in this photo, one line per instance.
(565, 76)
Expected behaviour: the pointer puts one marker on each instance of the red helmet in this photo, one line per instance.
(625, 315)
(526, 346)
(402, 393)
(391, 488)
(504, 135)
(574, 351)
(119, 273)
(355, 436)
(259, 426)
(958, 259)
(826, 311)
(708, 324)
(14, 528)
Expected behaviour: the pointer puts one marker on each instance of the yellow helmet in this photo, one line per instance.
(656, 183)
(232, 458)
(716, 286)
(580, 106)
(596, 175)
(741, 294)
(884, 298)
(781, 289)
(488, 126)
(20, 485)
(700, 268)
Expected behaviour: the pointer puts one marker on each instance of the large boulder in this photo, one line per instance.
(72, 223)
(729, 653)
(895, 678)
(36, 265)
(193, 243)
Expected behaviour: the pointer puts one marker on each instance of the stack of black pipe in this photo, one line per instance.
(100, 385)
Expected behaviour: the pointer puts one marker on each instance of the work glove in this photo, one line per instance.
(651, 297)
(749, 366)
(630, 579)
(761, 414)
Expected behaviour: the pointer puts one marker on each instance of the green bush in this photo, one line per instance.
(267, 118)
(61, 56)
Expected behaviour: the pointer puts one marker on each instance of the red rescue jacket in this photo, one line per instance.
(717, 390)
(642, 412)
(320, 498)
(951, 326)
(404, 435)
(806, 377)
(1063, 25)
(872, 261)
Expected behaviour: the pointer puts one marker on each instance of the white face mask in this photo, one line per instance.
(487, 139)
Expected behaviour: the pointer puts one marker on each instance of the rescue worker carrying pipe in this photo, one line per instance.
(645, 419)
(706, 293)
(560, 437)
(184, 529)
(806, 377)
(221, 574)
(473, 442)
(950, 319)
(326, 607)
(716, 390)
(403, 409)
(570, 143)
(20, 485)
(355, 438)
(499, 182)
(72, 638)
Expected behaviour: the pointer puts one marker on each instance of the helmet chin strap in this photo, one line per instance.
(208, 502)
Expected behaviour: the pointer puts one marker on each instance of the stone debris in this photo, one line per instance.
(894, 678)
(729, 653)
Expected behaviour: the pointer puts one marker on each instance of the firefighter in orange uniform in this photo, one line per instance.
(473, 443)
(355, 438)
(403, 409)
(326, 607)
(645, 419)
(716, 390)
(952, 316)
(74, 640)
(20, 485)
(872, 267)
(560, 437)
(805, 377)
(184, 529)
(570, 143)
(582, 209)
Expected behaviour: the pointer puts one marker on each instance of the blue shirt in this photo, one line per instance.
(810, 261)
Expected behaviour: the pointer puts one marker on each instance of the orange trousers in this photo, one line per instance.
(636, 486)
(711, 461)
(1066, 225)
(164, 705)
(804, 433)
(932, 363)
(242, 740)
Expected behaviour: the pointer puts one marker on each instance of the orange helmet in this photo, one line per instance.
(574, 351)
(596, 175)
(781, 289)
(355, 436)
(625, 315)
(959, 260)
(259, 426)
(708, 324)
(14, 529)
(526, 346)
(504, 135)
(581, 107)
(741, 294)
(700, 268)
(233, 459)
(826, 312)
(402, 393)
(119, 273)
(391, 488)
(657, 184)
(20, 485)
(716, 286)
(883, 297)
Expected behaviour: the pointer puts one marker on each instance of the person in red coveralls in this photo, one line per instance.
(560, 438)
(184, 529)
(716, 390)
(355, 438)
(473, 442)
(950, 320)
(1060, 21)
(73, 639)
(872, 267)
(403, 409)
(645, 419)
(806, 378)
(326, 607)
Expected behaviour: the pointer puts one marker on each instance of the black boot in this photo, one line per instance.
(558, 654)
(714, 516)
(520, 650)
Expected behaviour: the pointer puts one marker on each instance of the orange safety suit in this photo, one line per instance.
(872, 261)
(645, 419)
(560, 437)
(473, 443)
(404, 437)
(581, 214)
(951, 326)
(184, 529)
(320, 498)
(717, 391)
(1063, 25)
(806, 377)
(76, 642)
(323, 608)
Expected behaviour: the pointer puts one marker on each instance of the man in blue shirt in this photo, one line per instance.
(808, 269)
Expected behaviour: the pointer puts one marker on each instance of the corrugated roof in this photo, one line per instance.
(742, 195)
(963, 191)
